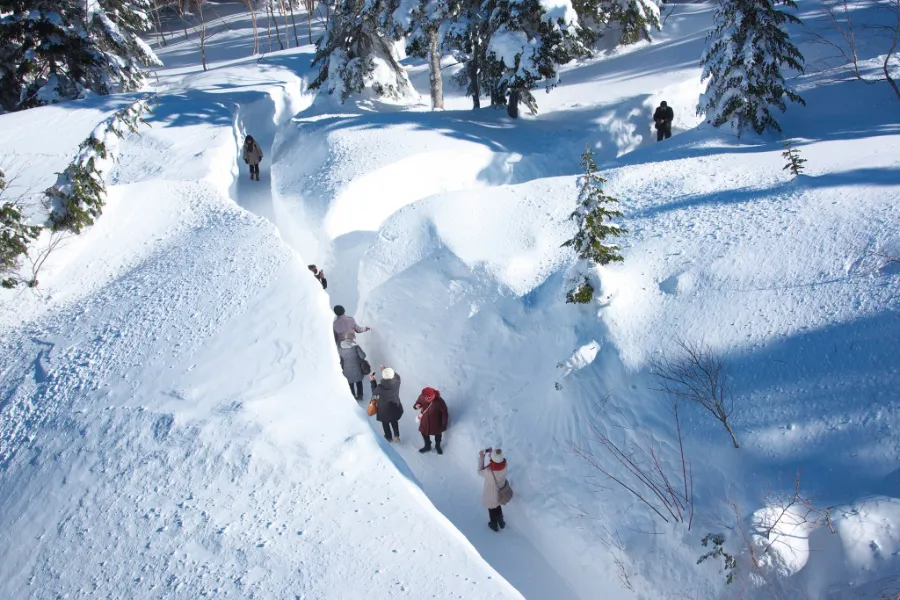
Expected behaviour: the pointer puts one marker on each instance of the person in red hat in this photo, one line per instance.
(433, 418)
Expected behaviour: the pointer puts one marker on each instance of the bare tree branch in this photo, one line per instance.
(697, 375)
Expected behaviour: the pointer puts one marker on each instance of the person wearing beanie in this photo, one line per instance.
(389, 407)
(663, 118)
(345, 327)
(494, 474)
(352, 358)
(433, 418)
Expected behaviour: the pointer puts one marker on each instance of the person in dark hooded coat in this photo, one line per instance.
(663, 116)
(433, 418)
(389, 407)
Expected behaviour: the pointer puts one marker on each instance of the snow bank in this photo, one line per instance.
(183, 428)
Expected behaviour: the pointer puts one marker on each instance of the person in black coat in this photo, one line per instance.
(389, 408)
(663, 116)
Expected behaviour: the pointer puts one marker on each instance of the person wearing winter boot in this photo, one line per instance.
(320, 275)
(663, 116)
(389, 407)
(433, 417)
(252, 156)
(352, 357)
(494, 474)
(345, 327)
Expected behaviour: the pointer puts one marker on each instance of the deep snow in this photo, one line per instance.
(173, 420)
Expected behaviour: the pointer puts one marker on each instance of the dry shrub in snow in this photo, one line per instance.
(638, 466)
(697, 375)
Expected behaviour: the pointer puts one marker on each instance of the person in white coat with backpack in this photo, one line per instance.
(497, 490)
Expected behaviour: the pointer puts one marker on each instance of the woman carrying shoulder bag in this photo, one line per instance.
(497, 490)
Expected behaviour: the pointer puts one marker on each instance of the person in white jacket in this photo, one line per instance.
(494, 474)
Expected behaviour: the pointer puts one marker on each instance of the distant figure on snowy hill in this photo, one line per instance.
(252, 156)
(494, 474)
(345, 327)
(389, 408)
(353, 367)
(433, 418)
(320, 275)
(663, 116)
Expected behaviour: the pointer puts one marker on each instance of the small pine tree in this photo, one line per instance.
(718, 543)
(582, 293)
(15, 235)
(742, 65)
(792, 156)
(591, 216)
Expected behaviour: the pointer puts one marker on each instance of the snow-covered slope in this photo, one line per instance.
(174, 421)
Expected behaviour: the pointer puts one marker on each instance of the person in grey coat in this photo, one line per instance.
(252, 155)
(352, 357)
(389, 408)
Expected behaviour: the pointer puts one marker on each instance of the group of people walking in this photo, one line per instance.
(432, 412)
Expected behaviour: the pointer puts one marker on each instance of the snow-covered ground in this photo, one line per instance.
(174, 423)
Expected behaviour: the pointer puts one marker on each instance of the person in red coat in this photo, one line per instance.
(432, 418)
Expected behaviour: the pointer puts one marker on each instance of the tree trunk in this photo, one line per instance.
(512, 107)
(277, 31)
(252, 10)
(284, 15)
(199, 5)
(887, 59)
(268, 24)
(474, 84)
(294, 24)
(730, 432)
(157, 24)
(310, 6)
(434, 69)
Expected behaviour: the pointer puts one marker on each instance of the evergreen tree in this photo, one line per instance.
(15, 235)
(636, 18)
(792, 156)
(592, 216)
(356, 51)
(743, 62)
(116, 26)
(54, 50)
(465, 37)
(423, 21)
(527, 45)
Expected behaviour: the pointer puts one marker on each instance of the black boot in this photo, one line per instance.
(427, 448)
(493, 526)
(502, 524)
(437, 448)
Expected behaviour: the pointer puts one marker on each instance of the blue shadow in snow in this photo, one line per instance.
(887, 177)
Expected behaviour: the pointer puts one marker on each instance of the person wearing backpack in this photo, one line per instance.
(496, 490)
(387, 396)
(433, 418)
(354, 366)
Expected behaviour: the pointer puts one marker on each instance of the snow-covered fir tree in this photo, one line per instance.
(423, 21)
(54, 50)
(635, 19)
(115, 28)
(592, 216)
(743, 65)
(466, 38)
(357, 53)
(15, 236)
(528, 43)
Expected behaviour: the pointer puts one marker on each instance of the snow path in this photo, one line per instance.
(454, 488)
